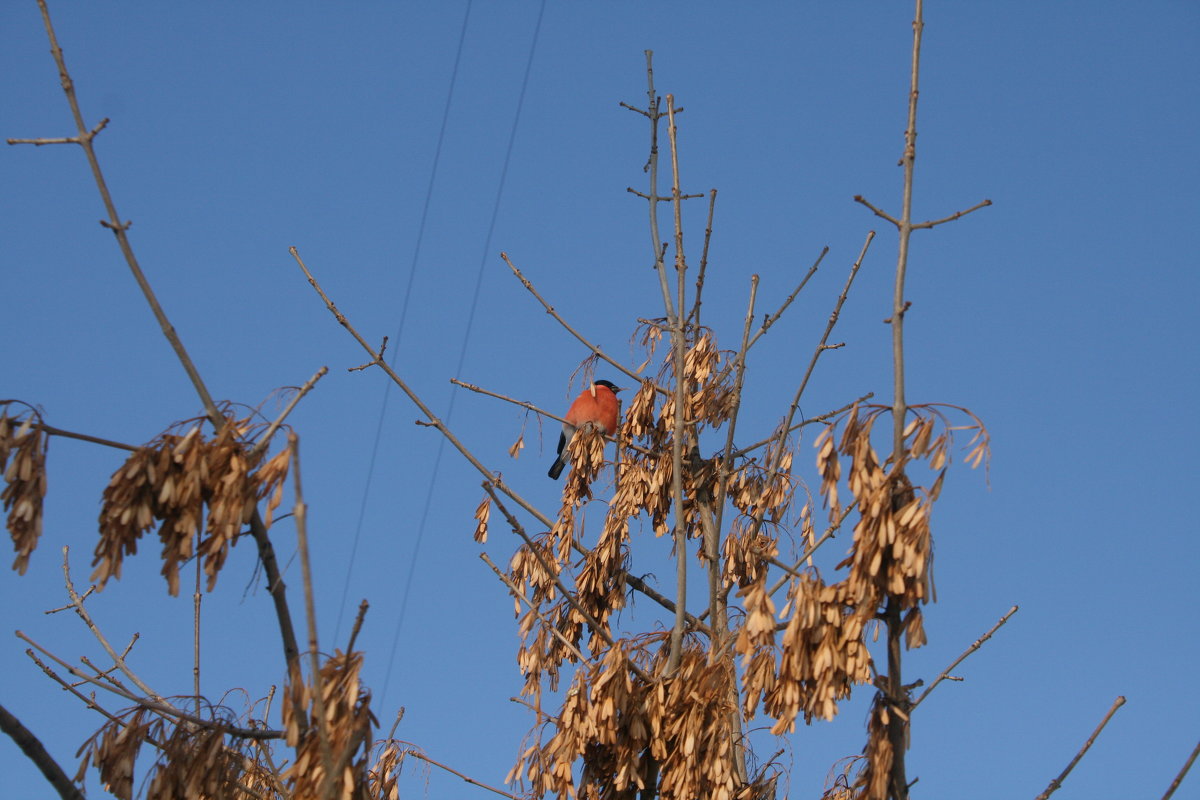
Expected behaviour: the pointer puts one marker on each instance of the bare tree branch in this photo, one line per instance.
(898, 723)
(1056, 784)
(678, 348)
(433, 421)
(300, 515)
(657, 246)
(265, 441)
(528, 284)
(1187, 765)
(168, 710)
(452, 771)
(84, 137)
(117, 658)
(952, 217)
(945, 674)
(821, 347)
(773, 318)
(694, 314)
(32, 747)
(518, 594)
(810, 421)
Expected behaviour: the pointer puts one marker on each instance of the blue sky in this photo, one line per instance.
(1064, 316)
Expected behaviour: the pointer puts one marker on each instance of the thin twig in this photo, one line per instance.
(84, 139)
(433, 421)
(300, 514)
(83, 437)
(711, 538)
(974, 646)
(453, 771)
(694, 315)
(898, 724)
(163, 708)
(717, 599)
(1187, 765)
(826, 536)
(518, 594)
(273, 770)
(678, 346)
(858, 198)
(265, 440)
(266, 551)
(658, 247)
(773, 318)
(541, 411)
(88, 702)
(821, 346)
(809, 421)
(358, 623)
(196, 601)
(776, 456)
(528, 284)
(81, 610)
(567, 595)
(952, 217)
(1056, 784)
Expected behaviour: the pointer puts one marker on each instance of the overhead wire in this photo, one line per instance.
(462, 354)
(449, 415)
(396, 340)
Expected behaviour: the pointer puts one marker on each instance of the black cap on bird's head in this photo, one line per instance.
(608, 385)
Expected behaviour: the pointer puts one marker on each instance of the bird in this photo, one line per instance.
(597, 405)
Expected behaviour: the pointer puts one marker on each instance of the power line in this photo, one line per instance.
(412, 272)
(462, 355)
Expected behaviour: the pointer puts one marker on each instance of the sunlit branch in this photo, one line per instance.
(84, 137)
(265, 440)
(1056, 784)
(773, 318)
(455, 772)
(538, 410)
(678, 347)
(300, 515)
(528, 284)
(144, 702)
(810, 421)
(821, 347)
(945, 674)
(694, 314)
(518, 594)
(433, 421)
(1187, 765)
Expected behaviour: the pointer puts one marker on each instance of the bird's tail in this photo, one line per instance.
(557, 467)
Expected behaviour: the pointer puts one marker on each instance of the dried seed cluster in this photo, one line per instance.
(680, 728)
(191, 760)
(347, 725)
(891, 557)
(182, 482)
(623, 729)
(23, 440)
(822, 655)
(626, 719)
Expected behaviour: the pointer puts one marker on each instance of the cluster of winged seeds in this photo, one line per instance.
(23, 439)
(635, 714)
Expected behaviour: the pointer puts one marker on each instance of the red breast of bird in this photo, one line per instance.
(597, 405)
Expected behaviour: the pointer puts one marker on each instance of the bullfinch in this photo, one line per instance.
(597, 405)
